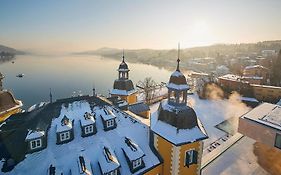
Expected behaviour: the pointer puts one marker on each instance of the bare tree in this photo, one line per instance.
(148, 86)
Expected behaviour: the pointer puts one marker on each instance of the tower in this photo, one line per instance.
(123, 86)
(177, 133)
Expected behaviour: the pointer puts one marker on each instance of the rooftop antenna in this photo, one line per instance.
(178, 60)
(51, 96)
(94, 89)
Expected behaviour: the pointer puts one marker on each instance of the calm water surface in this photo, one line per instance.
(68, 74)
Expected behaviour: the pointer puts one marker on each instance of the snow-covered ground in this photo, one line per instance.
(237, 160)
(64, 157)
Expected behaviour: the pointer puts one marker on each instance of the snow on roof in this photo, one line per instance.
(178, 87)
(252, 77)
(174, 135)
(34, 134)
(255, 66)
(177, 74)
(64, 126)
(108, 160)
(123, 70)
(84, 166)
(107, 114)
(248, 99)
(131, 149)
(122, 92)
(266, 86)
(267, 114)
(88, 119)
(230, 77)
(279, 102)
(65, 156)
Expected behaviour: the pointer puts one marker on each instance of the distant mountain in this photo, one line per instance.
(10, 50)
(166, 58)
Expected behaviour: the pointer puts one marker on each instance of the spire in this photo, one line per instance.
(1, 83)
(123, 57)
(51, 96)
(178, 60)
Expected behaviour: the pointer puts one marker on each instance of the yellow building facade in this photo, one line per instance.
(8, 104)
(177, 134)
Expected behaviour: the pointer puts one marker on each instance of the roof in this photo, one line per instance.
(131, 149)
(16, 127)
(123, 84)
(177, 136)
(267, 114)
(179, 116)
(266, 86)
(138, 107)
(64, 156)
(177, 81)
(231, 77)
(108, 160)
(65, 123)
(34, 134)
(123, 66)
(7, 101)
(88, 119)
(254, 67)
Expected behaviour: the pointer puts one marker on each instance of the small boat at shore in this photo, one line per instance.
(20, 75)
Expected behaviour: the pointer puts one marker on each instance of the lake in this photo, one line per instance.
(68, 74)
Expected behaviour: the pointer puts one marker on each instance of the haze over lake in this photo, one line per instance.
(66, 74)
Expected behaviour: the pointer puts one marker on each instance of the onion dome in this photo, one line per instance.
(181, 117)
(177, 80)
(126, 85)
(123, 66)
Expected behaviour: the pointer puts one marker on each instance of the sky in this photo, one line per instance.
(63, 26)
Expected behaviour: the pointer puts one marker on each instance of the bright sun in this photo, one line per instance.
(200, 34)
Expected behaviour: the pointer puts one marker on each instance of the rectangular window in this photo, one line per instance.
(278, 141)
(65, 136)
(137, 163)
(114, 172)
(35, 144)
(191, 157)
(88, 129)
(109, 123)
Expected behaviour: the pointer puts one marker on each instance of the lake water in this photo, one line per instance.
(68, 74)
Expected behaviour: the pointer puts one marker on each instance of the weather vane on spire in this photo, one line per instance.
(178, 60)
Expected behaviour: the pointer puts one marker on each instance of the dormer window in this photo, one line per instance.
(34, 144)
(191, 157)
(65, 136)
(108, 120)
(88, 129)
(137, 163)
(36, 140)
(110, 123)
(108, 162)
(133, 154)
(65, 130)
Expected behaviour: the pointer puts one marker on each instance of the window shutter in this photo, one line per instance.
(187, 159)
(195, 157)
